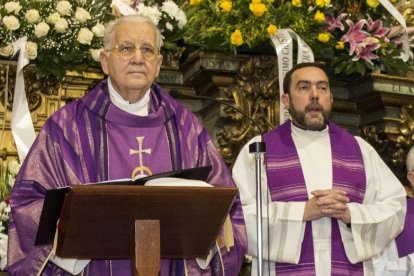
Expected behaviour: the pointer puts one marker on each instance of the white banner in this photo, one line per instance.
(283, 43)
(21, 121)
(400, 18)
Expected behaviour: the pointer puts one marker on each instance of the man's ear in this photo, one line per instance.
(286, 100)
(410, 178)
(104, 62)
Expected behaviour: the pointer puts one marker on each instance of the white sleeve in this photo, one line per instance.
(286, 226)
(380, 218)
(389, 264)
(73, 266)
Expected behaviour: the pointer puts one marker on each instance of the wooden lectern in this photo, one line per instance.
(142, 223)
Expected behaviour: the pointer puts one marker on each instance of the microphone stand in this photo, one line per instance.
(256, 148)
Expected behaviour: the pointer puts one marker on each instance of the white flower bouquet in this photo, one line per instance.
(6, 184)
(60, 35)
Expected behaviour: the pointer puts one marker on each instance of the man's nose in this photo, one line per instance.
(137, 57)
(314, 92)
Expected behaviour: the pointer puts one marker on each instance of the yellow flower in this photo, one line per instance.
(272, 29)
(320, 3)
(319, 17)
(236, 38)
(258, 9)
(327, 3)
(226, 6)
(195, 2)
(340, 45)
(256, 2)
(372, 3)
(297, 3)
(324, 37)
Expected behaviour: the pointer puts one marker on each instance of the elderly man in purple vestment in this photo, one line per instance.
(126, 126)
(332, 202)
(399, 260)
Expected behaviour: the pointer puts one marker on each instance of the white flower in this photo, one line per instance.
(64, 7)
(32, 16)
(11, 22)
(85, 36)
(7, 50)
(151, 12)
(169, 26)
(41, 29)
(171, 8)
(53, 18)
(31, 50)
(12, 7)
(98, 30)
(82, 15)
(14, 165)
(95, 54)
(61, 25)
(3, 250)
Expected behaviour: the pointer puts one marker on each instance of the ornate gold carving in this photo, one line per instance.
(256, 93)
(394, 151)
(171, 57)
(47, 86)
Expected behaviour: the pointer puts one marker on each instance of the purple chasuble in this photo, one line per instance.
(405, 240)
(92, 140)
(286, 183)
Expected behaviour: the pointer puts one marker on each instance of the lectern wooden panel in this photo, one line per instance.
(98, 222)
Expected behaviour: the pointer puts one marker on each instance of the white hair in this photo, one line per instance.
(136, 18)
(409, 161)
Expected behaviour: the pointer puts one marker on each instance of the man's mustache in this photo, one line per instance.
(314, 106)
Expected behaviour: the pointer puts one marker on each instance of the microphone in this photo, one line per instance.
(256, 148)
(176, 94)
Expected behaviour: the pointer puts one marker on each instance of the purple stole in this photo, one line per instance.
(286, 183)
(405, 241)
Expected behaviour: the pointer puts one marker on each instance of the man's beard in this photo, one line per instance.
(303, 119)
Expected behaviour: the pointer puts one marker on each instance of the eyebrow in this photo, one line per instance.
(309, 82)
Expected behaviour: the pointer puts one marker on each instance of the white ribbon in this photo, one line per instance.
(283, 43)
(123, 8)
(400, 18)
(21, 121)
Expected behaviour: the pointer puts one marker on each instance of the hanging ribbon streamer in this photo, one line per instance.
(283, 42)
(400, 18)
(21, 121)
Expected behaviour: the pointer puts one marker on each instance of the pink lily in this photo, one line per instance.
(365, 49)
(355, 34)
(376, 26)
(333, 23)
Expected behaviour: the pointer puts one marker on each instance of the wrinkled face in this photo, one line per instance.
(131, 77)
(310, 99)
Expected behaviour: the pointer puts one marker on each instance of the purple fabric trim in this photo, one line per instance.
(405, 241)
(286, 183)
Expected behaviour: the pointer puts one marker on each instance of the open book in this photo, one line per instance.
(54, 198)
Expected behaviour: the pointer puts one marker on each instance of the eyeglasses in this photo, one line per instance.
(127, 49)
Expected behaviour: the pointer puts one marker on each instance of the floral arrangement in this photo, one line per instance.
(61, 34)
(169, 18)
(351, 36)
(6, 184)
(67, 35)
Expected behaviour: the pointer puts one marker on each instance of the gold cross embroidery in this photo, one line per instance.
(141, 169)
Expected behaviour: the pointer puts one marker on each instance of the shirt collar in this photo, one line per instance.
(139, 108)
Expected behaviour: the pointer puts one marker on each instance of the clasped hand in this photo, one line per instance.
(328, 203)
